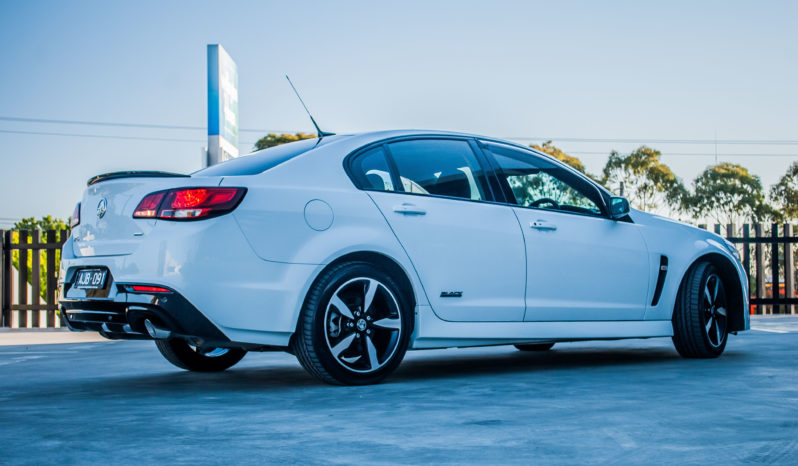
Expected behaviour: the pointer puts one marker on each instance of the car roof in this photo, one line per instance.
(344, 144)
(356, 140)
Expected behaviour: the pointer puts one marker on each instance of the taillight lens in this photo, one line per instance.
(148, 289)
(75, 217)
(189, 203)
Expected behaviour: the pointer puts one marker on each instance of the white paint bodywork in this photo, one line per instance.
(249, 271)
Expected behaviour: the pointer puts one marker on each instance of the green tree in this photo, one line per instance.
(784, 194)
(43, 224)
(554, 151)
(728, 193)
(644, 179)
(272, 139)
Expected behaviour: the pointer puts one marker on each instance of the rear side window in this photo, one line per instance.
(260, 161)
(371, 170)
(439, 167)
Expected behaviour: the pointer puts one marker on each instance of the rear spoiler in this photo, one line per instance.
(133, 174)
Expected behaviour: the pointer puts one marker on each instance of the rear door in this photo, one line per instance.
(467, 251)
(581, 264)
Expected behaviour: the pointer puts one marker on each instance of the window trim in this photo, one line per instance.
(496, 172)
(482, 161)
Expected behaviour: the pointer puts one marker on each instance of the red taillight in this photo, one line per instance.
(148, 207)
(148, 289)
(75, 217)
(189, 203)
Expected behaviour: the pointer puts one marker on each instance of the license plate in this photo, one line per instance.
(90, 279)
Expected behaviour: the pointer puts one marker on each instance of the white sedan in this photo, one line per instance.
(348, 250)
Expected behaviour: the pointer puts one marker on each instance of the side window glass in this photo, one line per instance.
(371, 169)
(537, 183)
(438, 167)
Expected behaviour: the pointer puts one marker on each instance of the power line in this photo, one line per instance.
(778, 142)
(200, 141)
(127, 125)
(101, 136)
(517, 138)
(698, 154)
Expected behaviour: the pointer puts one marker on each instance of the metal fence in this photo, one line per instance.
(768, 254)
(29, 277)
(29, 293)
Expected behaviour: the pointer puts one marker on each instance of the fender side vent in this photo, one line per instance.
(663, 270)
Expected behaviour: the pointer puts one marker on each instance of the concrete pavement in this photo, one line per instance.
(633, 401)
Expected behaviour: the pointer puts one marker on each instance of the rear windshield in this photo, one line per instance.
(260, 161)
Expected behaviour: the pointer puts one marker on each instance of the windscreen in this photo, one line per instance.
(260, 161)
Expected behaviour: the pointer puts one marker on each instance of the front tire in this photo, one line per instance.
(355, 325)
(700, 318)
(185, 356)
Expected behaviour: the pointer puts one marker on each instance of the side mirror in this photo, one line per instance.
(619, 207)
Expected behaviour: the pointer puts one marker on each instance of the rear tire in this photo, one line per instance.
(355, 325)
(185, 356)
(700, 317)
(535, 347)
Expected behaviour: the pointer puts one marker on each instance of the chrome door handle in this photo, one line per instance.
(409, 209)
(542, 225)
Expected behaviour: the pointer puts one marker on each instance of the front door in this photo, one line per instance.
(581, 264)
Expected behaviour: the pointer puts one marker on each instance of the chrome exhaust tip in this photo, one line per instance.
(156, 332)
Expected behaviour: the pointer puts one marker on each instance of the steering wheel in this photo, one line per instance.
(545, 200)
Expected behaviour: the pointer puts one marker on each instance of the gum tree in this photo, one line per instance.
(554, 151)
(272, 139)
(784, 194)
(647, 183)
(728, 193)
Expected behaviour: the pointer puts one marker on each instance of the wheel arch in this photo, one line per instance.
(731, 279)
(381, 261)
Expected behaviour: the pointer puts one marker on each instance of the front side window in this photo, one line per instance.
(439, 167)
(538, 183)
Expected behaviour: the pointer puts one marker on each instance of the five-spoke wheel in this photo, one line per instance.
(362, 324)
(355, 325)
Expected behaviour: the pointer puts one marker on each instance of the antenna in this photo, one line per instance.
(318, 130)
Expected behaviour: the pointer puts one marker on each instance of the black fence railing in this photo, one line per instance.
(768, 253)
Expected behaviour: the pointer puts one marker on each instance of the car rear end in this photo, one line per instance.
(219, 258)
(121, 270)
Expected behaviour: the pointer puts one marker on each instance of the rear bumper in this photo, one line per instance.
(211, 267)
(121, 315)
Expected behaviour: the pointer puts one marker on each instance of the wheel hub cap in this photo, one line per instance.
(361, 325)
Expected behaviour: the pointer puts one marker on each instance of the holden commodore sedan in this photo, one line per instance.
(348, 250)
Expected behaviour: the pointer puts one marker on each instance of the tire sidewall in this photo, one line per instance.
(709, 271)
(318, 307)
(179, 353)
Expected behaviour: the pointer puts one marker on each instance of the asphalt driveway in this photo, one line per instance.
(632, 401)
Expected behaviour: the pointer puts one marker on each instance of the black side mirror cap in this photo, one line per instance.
(619, 208)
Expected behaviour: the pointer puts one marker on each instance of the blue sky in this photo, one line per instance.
(619, 70)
